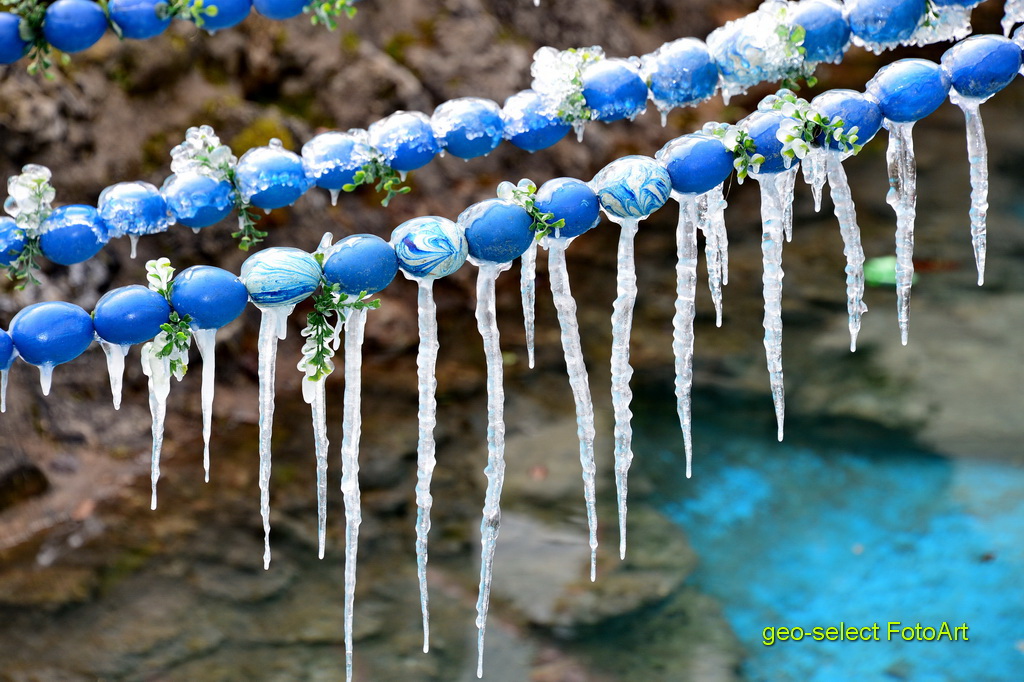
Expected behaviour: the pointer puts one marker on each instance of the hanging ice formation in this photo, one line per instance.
(206, 342)
(115, 354)
(711, 222)
(528, 292)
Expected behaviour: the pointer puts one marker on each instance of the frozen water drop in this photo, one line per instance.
(206, 341)
(902, 197)
(682, 321)
(134, 240)
(3, 390)
(528, 290)
(115, 355)
(846, 214)
(158, 369)
(977, 155)
(315, 394)
(45, 378)
(335, 193)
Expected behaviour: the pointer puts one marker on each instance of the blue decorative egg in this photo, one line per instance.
(826, 30)
(982, 65)
(854, 108)
(229, 13)
(405, 140)
(12, 46)
(6, 351)
(271, 177)
(909, 89)
(279, 9)
(632, 187)
(210, 296)
(468, 127)
(280, 276)
(570, 200)
(680, 73)
(614, 90)
(12, 241)
(74, 25)
(73, 234)
(497, 231)
(529, 124)
(133, 208)
(361, 262)
(138, 19)
(332, 159)
(51, 333)
(696, 163)
(748, 50)
(130, 315)
(884, 23)
(763, 127)
(429, 247)
(197, 200)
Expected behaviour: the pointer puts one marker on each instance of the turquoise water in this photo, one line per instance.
(810, 535)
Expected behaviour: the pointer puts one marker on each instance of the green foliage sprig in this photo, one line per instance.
(29, 202)
(525, 194)
(322, 334)
(175, 338)
(573, 108)
(326, 12)
(384, 178)
(737, 141)
(41, 54)
(806, 126)
(195, 11)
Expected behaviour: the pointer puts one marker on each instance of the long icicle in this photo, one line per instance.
(814, 167)
(977, 155)
(579, 381)
(846, 214)
(902, 197)
(682, 321)
(206, 342)
(711, 222)
(115, 355)
(3, 390)
(315, 395)
(159, 372)
(487, 324)
(787, 186)
(772, 233)
(426, 362)
(355, 326)
(528, 289)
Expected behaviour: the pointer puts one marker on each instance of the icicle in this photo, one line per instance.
(486, 321)
(682, 323)
(206, 341)
(335, 193)
(159, 372)
(813, 166)
(115, 368)
(196, 230)
(710, 208)
(273, 326)
(902, 197)
(3, 390)
(565, 305)
(528, 289)
(977, 155)
(351, 430)
(46, 377)
(134, 239)
(846, 214)
(426, 362)
(787, 178)
(315, 395)
(772, 219)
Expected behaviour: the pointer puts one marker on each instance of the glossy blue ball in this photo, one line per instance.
(130, 315)
(826, 30)
(332, 159)
(680, 73)
(271, 177)
(134, 208)
(529, 124)
(570, 200)
(468, 127)
(198, 201)
(138, 19)
(210, 296)
(982, 65)
(73, 234)
(74, 25)
(12, 241)
(632, 187)
(6, 351)
(696, 163)
(229, 13)
(280, 276)
(909, 89)
(614, 90)
(884, 22)
(763, 126)
(429, 247)
(51, 333)
(12, 46)
(405, 140)
(361, 263)
(497, 231)
(279, 9)
(854, 108)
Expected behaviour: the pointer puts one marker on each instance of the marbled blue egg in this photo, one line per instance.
(909, 89)
(826, 30)
(468, 127)
(12, 241)
(497, 230)
(279, 9)
(570, 200)
(680, 73)
(74, 25)
(429, 247)
(981, 66)
(51, 333)
(271, 177)
(210, 296)
(198, 201)
(280, 276)
(763, 127)
(632, 187)
(73, 234)
(854, 108)
(12, 46)
(529, 124)
(138, 19)
(614, 90)
(133, 208)
(332, 159)
(884, 22)
(229, 13)
(129, 315)
(361, 262)
(696, 163)
(6, 351)
(405, 140)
